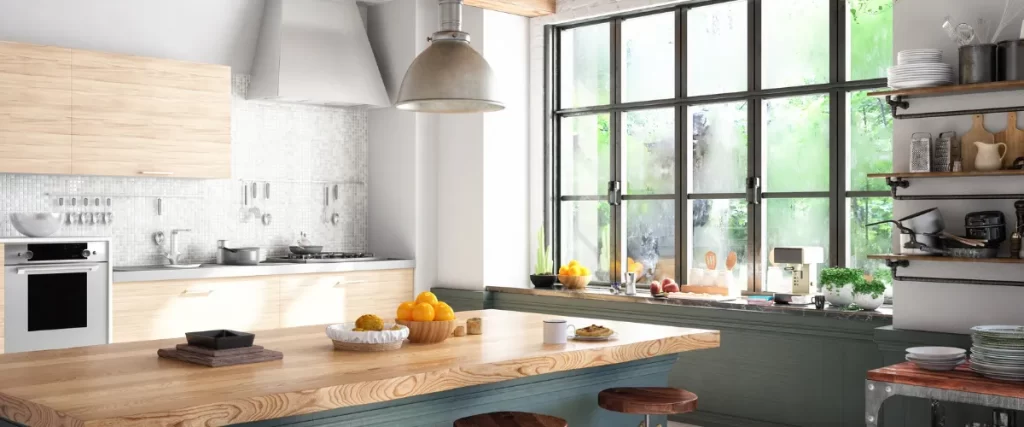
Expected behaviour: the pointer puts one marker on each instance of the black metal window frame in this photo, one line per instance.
(837, 89)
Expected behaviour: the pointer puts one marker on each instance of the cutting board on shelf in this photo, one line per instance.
(1014, 139)
(977, 133)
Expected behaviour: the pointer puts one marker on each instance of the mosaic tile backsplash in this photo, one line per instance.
(298, 149)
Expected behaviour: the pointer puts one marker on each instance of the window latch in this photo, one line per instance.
(754, 190)
(614, 193)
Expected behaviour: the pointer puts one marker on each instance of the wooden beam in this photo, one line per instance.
(528, 8)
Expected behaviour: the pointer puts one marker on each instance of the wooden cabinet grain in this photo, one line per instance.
(313, 299)
(35, 109)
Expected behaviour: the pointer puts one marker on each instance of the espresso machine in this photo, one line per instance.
(803, 262)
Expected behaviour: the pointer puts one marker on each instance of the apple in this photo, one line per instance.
(655, 288)
(671, 287)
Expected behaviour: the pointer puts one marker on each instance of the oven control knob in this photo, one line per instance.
(28, 254)
(86, 253)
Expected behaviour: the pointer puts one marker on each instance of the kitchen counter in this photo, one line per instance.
(52, 239)
(215, 271)
(127, 384)
(884, 312)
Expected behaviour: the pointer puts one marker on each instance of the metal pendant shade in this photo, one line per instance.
(449, 76)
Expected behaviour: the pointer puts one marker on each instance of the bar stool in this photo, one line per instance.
(647, 401)
(510, 419)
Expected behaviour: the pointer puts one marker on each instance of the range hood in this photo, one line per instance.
(315, 52)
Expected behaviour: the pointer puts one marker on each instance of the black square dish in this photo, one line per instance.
(220, 339)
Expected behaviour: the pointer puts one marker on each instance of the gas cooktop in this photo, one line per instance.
(325, 257)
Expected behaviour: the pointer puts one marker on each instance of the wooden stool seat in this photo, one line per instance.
(510, 419)
(647, 400)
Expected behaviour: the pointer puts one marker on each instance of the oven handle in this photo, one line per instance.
(61, 269)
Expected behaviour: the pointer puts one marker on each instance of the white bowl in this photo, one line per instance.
(36, 224)
(936, 353)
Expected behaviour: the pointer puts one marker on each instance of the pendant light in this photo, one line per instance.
(449, 76)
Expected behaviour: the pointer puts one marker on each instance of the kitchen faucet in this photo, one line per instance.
(172, 252)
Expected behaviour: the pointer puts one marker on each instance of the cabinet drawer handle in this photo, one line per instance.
(354, 282)
(163, 173)
(191, 293)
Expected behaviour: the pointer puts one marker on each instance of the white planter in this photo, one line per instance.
(867, 302)
(840, 296)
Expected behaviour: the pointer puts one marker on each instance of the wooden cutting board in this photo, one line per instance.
(219, 353)
(977, 133)
(1014, 140)
(215, 362)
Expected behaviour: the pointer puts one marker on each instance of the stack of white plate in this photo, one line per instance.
(998, 351)
(920, 68)
(937, 358)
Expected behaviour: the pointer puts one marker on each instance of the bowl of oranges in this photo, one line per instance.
(429, 321)
(574, 276)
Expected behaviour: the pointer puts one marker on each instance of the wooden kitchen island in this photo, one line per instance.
(507, 368)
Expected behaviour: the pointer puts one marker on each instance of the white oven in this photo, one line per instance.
(56, 295)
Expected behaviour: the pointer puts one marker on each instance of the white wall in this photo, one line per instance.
(216, 32)
(952, 307)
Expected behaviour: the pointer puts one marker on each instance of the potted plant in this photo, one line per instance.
(868, 293)
(838, 282)
(543, 271)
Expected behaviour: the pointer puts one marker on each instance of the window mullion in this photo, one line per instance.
(754, 212)
(617, 239)
(682, 154)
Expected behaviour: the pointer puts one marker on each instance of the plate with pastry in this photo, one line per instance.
(593, 333)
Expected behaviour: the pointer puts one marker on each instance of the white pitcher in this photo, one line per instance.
(989, 158)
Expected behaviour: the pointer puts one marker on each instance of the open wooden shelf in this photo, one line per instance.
(1004, 172)
(938, 258)
(953, 89)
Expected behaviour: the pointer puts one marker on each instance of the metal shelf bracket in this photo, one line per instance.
(893, 264)
(894, 182)
(895, 103)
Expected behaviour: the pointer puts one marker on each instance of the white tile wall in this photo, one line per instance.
(298, 149)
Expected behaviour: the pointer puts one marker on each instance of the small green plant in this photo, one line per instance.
(874, 287)
(836, 277)
(544, 265)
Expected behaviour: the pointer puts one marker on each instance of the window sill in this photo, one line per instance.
(603, 294)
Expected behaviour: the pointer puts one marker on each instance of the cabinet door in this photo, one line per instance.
(316, 299)
(35, 109)
(137, 116)
(168, 309)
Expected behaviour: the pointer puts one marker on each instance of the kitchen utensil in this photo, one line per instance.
(60, 201)
(305, 250)
(936, 353)
(1014, 139)
(239, 256)
(96, 201)
(556, 331)
(963, 240)
(919, 56)
(988, 226)
(108, 218)
(965, 33)
(978, 63)
(85, 201)
(941, 152)
(927, 221)
(220, 339)
(159, 206)
(267, 218)
(255, 191)
(266, 191)
(335, 218)
(1011, 60)
(36, 224)
(243, 211)
(219, 361)
(920, 152)
(303, 240)
(977, 133)
(88, 218)
(1018, 231)
(324, 218)
(711, 260)
(989, 158)
(730, 261)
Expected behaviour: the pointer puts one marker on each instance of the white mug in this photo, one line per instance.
(556, 331)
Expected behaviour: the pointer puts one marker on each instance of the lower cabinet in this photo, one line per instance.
(168, 309)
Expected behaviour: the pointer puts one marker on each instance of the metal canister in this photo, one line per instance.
(1011, 60)
(978, 63)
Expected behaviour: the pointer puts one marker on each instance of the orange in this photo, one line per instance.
(427, 297)
(405, 310)
(443, 311)
(423, 312)
(576, 270)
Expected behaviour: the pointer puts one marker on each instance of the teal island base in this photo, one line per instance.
(571, 395)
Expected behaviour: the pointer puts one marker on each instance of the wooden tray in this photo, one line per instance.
(219, 353)
(216, 362)
(713, 290)
(353, 346)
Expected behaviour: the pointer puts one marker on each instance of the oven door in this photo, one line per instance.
(51, 306)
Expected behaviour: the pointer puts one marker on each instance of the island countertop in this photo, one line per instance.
(127, 384)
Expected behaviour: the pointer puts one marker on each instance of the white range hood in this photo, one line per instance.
(315, 52)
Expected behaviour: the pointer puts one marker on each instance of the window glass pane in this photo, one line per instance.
(585, 66)
(794, 222)
(796, 140)
(584, 155)
(585, 234)
(716, 47)
(650, 149)
(869, 38)
(719, 226)
(718, 141)
(869, 133)
(649, 57)
(651, 237)
(794, 43)
(863, 241)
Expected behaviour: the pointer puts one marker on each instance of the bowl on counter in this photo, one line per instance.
(36, 224)
(574, 283)
(220, 339)
(428, 332)
(544, 281)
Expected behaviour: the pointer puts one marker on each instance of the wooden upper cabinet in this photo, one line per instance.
(35, 109)
(139, 116)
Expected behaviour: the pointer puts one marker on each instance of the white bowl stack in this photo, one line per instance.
(920, 68)
(998, 351)
(937, 358)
